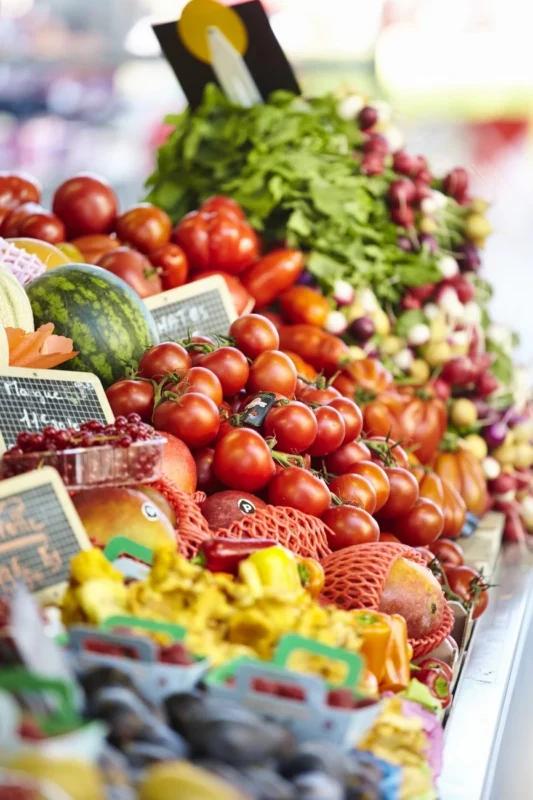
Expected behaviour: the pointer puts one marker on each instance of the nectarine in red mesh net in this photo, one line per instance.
(191, 525)
(303, 534)
(355, 577)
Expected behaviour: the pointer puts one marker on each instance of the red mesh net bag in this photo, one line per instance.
(355, 577)
(191, 525)
(303, 534)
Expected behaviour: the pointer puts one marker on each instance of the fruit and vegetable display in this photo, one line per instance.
(273, 567)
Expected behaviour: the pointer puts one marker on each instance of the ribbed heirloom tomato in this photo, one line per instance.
(349, 525)
(243, 460)
(217, 240)
(298, 488)
(273, 371)
(254, 334)
(355, 490)
(293, 425)
(192, 417)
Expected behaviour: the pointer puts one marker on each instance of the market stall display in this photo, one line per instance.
(275, 602)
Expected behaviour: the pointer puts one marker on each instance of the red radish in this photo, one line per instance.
(376, 143)
(401, 192)
(403, 216)
(404, 163)
(410, 302)
(372, 164)
(455, 184)
(367, 118)
(458, 371)
(486, 384)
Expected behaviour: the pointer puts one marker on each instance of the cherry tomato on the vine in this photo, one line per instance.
(355, 490)
(131, 396)
(298, 488)
(163, 359)
(293, 425)
(403, 492)
(193, 418)
(231, 368)
(352, 416)
(421, 526)
(330, 433)
(273, 371)
(377, 477)
(341, 461)
(254, 335)
(243, 460)
(349, 525)
(470, 586)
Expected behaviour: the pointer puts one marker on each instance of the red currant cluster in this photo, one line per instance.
(121, 433)
(127, 450)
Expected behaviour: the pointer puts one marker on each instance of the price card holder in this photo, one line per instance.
(39, 533)
(202, 306)
(185, 45)
(33, 398)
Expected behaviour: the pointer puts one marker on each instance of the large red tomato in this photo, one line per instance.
(243, 460)
(273, 371)
(217, 240)
(403, 492)
(171, 262)
(131, 396)
(349, 525)
(134, 268)
(86, 203)
(293, 425)
(341, 461)
(145, 227)
(164, 359)
(421, 526)
(352, 416)
(17, 188)
(230, 366)
(298, 488)
(254, 335)
(330, 431)
(193, 418)
(355, 490)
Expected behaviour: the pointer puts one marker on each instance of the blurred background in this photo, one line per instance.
(83, 86)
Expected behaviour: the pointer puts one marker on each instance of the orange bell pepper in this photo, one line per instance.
(385, 648)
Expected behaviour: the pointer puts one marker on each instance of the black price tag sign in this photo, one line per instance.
(202, 306)
(40, 531)
(263, 55)
(33, 398)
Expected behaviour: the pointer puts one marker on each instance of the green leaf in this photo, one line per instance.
(407, 321)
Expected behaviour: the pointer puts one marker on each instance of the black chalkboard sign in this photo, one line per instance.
(264, 56)
(33, 398)
(202, 306)
(40, 531)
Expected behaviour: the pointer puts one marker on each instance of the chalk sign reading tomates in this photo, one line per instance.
(202, 306)
(33, 398)
(40, 531)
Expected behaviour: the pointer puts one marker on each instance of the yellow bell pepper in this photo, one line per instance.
(272, 570)
(398, 659)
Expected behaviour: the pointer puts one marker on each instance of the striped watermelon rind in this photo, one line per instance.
(107, 321)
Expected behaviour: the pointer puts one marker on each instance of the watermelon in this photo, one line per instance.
(107, 321)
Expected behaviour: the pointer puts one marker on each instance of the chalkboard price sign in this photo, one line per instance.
(39, 533)
(33, 398)
(202, 306)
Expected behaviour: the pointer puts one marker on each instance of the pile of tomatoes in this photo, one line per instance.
(254, 423)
